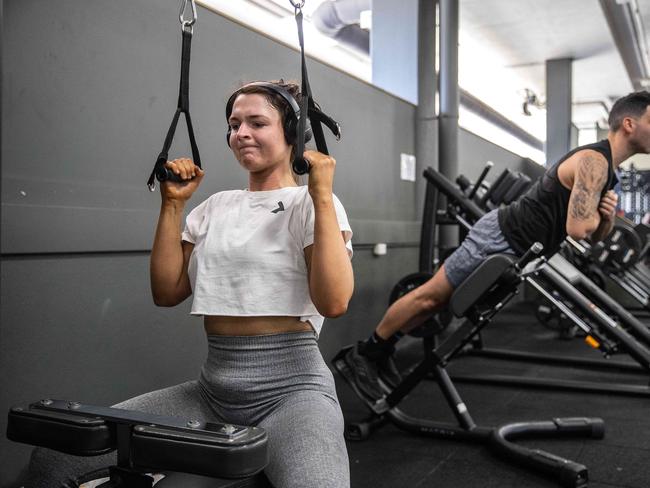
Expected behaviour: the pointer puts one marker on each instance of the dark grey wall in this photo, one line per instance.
(89, 88)
(474, 152)
(90, 91)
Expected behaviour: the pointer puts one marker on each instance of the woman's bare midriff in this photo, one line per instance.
(249, 326)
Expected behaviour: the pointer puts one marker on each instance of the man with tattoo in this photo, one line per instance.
(574, 197)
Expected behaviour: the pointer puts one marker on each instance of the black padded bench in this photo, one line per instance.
(146, 443)
(478, 299)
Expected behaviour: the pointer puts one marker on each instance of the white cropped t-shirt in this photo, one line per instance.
(248, 257)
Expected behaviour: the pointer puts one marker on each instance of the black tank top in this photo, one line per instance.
(541, 213)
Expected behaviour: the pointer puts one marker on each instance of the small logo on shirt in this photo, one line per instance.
(279, 209)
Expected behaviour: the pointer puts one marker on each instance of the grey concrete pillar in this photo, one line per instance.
(558, 108)
(449, 92)
(426, 124)
(449, 102)
(393, 47)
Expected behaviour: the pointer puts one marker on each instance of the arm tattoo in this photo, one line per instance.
(589, 182)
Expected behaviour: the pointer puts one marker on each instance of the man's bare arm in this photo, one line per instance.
(590, 177)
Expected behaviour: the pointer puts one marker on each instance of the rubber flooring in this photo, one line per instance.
(394, 458)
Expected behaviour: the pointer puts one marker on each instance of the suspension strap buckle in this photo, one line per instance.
(187, 24)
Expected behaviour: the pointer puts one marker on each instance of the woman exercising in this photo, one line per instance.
(265, 265)
(574, 197)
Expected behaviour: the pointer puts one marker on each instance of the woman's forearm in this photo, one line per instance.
(170, 284)
(331, 278)
(167, 271)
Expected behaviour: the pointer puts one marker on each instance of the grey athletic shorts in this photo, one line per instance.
(483, 239)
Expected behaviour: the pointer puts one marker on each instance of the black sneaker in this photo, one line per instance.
(388, 372)
(364, 372)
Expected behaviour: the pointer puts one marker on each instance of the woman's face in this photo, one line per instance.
(257, 136)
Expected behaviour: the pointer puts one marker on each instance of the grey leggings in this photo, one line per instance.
(277, 382)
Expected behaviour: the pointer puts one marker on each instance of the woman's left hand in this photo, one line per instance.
(321, 173)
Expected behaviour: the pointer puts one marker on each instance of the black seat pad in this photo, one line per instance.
(477, 284)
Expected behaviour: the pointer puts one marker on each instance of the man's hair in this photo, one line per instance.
(632, 105)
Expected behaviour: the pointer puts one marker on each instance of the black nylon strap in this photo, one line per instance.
(184, 90)
(332, 125)
(183, 106)
(300, 166)
(309, 109)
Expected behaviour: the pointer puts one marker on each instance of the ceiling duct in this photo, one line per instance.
(339, 19)
(476, 106)
(626, 26)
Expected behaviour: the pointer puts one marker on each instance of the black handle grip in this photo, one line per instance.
(463, 182)
(477, 185)
(300, 166)
(529, 255)
(166, 174)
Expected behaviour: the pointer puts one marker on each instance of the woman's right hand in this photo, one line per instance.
(191, 175)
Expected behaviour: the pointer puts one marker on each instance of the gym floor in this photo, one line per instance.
(395, 458)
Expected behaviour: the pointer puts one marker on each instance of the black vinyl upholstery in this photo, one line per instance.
(481, 281)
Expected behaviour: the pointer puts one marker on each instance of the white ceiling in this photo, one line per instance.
(526, 33)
